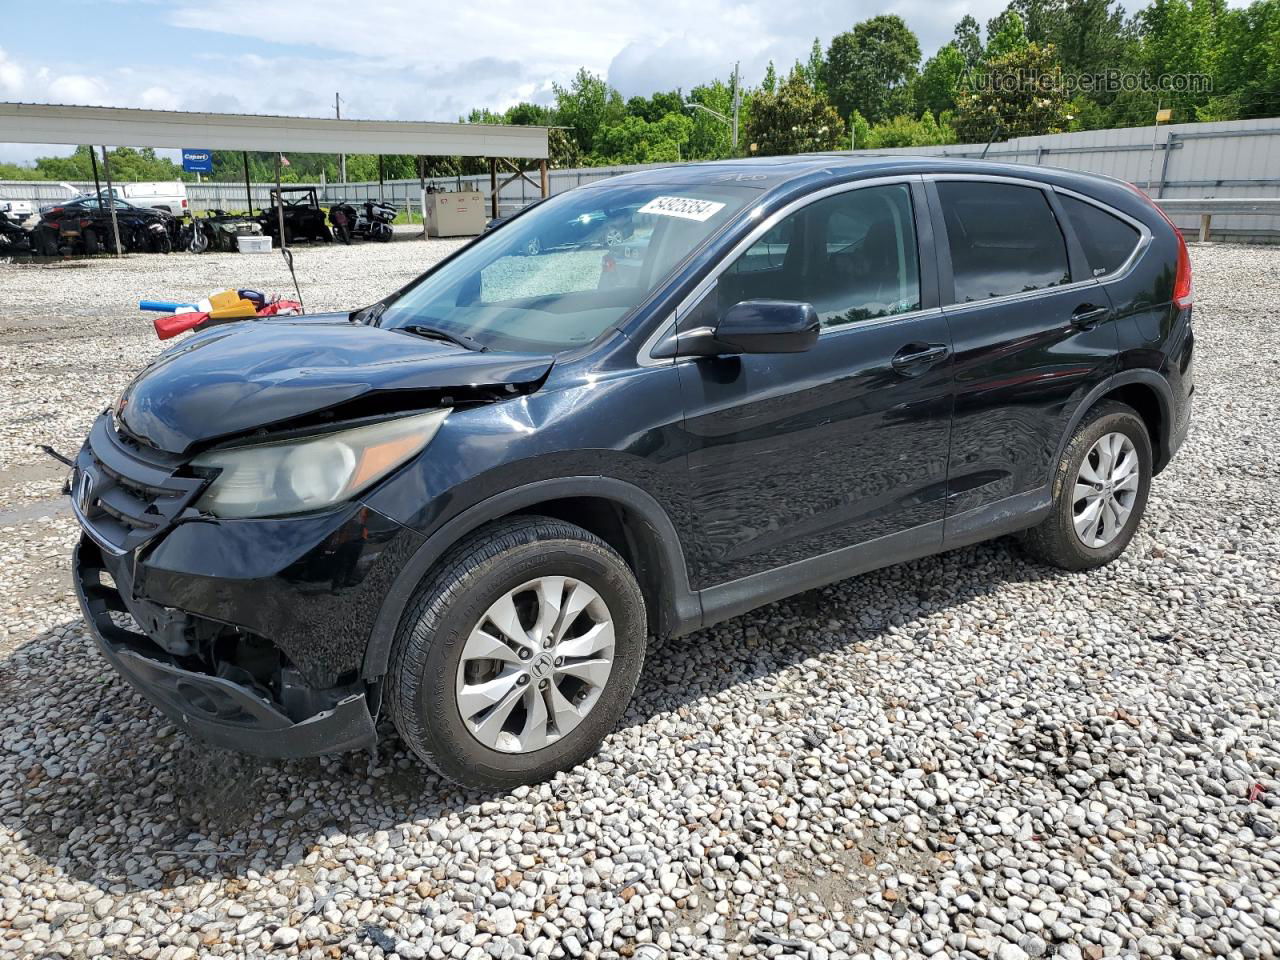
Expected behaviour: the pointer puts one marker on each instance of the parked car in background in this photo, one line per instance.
(167, 195)
(13, 235)
(471, 503)
(17, 210)
(82, 224)
(597, 228)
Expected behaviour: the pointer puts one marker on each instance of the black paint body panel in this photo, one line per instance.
(737, 479)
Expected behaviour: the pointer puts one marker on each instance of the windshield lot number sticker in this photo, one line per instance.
(686, 208)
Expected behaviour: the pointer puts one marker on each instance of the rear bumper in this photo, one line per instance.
(211, 708)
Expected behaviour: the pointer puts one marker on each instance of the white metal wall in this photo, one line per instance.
(1239, 158)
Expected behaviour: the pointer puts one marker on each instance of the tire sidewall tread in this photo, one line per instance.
(1054, 540)
(439, 618)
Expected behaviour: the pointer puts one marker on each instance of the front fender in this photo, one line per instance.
(680, 608)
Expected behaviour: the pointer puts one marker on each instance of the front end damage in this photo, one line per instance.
(226, 687)
(247, 634)
(251, 631)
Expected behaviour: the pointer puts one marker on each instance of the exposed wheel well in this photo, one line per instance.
(628, 533)
(1144, 400)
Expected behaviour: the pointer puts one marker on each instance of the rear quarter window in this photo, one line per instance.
(1107, 240)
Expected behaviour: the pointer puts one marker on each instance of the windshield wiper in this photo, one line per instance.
(435, 333)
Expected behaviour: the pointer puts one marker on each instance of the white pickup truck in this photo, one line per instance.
(167, 195)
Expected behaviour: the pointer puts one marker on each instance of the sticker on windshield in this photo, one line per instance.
(686, 208)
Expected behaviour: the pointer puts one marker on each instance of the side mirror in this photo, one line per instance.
(752, 326)
(769, 326)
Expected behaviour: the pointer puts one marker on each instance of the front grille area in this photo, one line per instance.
(125, 494)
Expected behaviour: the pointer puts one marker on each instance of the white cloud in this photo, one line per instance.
(11, 76)
(77, 88)
(400, 60)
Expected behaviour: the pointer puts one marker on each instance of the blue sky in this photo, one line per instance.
(397, 59)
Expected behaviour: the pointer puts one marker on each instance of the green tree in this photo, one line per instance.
(1040, 18)
(587, 105)
(1017, 95)
(636, 140)
(653, 108)
(904, 131)
(710, 138)
(968, 40)
(770, 82)
(815, 68)
(530, 115)
(871, 67)
(859, 132)
(796, 119)
(1089, 35)
(940, 79)
(1005, 34)
(1247, 62)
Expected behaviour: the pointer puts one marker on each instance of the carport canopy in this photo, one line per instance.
(126, 126)
(132, 127)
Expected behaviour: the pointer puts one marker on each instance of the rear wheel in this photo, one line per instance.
(518, 654)
(1100, 491)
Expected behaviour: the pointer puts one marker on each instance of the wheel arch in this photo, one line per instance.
(1146, 392)
(620, 513)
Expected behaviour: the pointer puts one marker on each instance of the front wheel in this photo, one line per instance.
(1099, 491)
(518, 654)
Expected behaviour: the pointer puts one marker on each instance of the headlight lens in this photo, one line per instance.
(271, 479)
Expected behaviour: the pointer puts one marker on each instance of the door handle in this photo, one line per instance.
(1087, 316)
(915, 358)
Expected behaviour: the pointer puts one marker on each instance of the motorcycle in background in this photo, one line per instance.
(370, 221)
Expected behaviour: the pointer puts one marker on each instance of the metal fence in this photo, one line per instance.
(1230, 159)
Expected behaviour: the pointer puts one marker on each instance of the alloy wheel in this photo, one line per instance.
(1105, 490)
(535, 664)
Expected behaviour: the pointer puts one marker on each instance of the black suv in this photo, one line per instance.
(471, 503)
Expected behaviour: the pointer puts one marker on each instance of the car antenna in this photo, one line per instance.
(284, 243)
(288, 259)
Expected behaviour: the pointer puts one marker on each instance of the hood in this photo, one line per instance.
(258, 373)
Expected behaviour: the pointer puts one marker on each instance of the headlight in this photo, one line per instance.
(270, 479)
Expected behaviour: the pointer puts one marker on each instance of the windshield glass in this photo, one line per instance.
(562, 273)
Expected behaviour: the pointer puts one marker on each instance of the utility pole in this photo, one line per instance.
(342, 157)
(737, 101)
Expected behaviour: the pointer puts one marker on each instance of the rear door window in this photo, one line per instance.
(1003, 239)
(1107, 240)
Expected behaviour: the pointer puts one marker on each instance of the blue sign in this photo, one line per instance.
(197, 161)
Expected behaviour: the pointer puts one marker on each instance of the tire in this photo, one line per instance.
(1056, 540)
(91, 245)
(47, 242)
(456, 599)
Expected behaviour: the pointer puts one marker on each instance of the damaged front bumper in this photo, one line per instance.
(216, 709)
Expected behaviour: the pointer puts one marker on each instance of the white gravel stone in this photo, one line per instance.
(966, 756)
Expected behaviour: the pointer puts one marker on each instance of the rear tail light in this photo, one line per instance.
(1183, 288)
(184, 204)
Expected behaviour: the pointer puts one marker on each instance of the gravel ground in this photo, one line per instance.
(968, 756)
